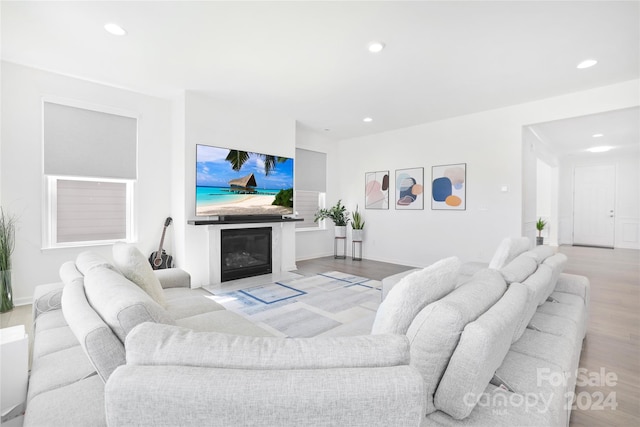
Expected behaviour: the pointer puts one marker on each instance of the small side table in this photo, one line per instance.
(356, 244)
(14, 353)
(344, 248)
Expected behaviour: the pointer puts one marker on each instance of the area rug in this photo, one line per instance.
(327, 304)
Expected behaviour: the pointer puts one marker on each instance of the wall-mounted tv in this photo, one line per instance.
(237, 183)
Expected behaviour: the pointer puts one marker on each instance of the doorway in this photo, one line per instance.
(594, 206)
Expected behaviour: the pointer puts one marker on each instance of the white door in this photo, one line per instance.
(593, 205)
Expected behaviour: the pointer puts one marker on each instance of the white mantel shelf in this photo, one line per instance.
(243, 220)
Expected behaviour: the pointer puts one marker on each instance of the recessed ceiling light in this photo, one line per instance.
(587, 63)
(375, 47)
(115, 29)
(600, 149)
(597, 135)
(367, 119)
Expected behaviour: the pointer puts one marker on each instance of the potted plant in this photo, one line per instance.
(7, 244)
(338, 214)
(357, 225)
(540, 226)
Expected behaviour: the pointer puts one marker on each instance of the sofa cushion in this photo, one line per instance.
(435, 331)
(557, 263)
(88, 260)
(224, 321)
(120, 303)
(413, 293)
(103, 348)
(135, 267)
(80, 403)
(537, 285)
(519, 269)
(154, 344)
(508, 249)
(58, 369)
(483, 345)
(540, 253)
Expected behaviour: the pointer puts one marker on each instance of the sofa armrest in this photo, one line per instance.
(173, 278)
(46, 298)
(196, 396)
(574, 284)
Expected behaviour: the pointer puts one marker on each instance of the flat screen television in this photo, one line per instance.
(233, 182)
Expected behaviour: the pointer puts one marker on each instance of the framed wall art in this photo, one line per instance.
(449, 187)
(377, 190)
(409, 189)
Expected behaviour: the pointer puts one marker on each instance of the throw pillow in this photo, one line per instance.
(135, 267)
(413, 293)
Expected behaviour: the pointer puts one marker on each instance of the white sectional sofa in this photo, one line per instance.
(445, 349)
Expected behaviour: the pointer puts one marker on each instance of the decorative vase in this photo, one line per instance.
(6, 291)
(357, 235)
(539, 240)
(341, 230)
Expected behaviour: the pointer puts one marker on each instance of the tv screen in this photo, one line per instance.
(234, 182)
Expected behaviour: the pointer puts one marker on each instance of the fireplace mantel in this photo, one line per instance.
(241, 220)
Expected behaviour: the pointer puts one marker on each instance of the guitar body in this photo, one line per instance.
(159, 259)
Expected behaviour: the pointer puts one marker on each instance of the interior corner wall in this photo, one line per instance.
(21, 170)
(210, 121)
(490, 143)
(318, 243)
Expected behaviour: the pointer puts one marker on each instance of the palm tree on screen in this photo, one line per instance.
(237, 158)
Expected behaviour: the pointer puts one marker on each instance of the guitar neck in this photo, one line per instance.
(159, 253)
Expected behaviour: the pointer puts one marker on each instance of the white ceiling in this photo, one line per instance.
(619, 129)
(308, 60)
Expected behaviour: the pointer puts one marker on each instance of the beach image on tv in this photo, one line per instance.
(235, 182)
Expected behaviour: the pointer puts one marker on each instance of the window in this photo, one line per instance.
(90, 166)
(311, 184)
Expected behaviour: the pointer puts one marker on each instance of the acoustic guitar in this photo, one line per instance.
(160, 259)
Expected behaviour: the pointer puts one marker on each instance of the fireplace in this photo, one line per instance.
(245, 252)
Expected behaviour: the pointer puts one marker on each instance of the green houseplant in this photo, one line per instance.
(358, 226)
(540, 226)
(338, 214)
(7, 244)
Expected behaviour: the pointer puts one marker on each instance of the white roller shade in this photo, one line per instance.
(311, 170)
(87, 143)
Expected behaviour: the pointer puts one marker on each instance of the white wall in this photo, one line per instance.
(21, 168)
(490, 143)
(213, 122)
(318, 243)
(627, 203)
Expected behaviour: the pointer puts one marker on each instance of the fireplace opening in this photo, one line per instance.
(245, 252)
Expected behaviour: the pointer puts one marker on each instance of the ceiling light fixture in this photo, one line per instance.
(367, 120)
(114, 29)
(587, 63)
(597, 135)
(375, 47)
(600, 149)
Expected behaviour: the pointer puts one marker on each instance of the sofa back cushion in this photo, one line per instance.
(519, 269)
(508, 249)
(557, 263)
(135, 267)
(103, 348)
(540, 253)
(536, 285)
(435, 331)
(482, 348)
(88, 260)
(120, 303)
(155, 344)
(405, 300)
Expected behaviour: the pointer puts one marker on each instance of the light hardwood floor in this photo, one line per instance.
(613, 336)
